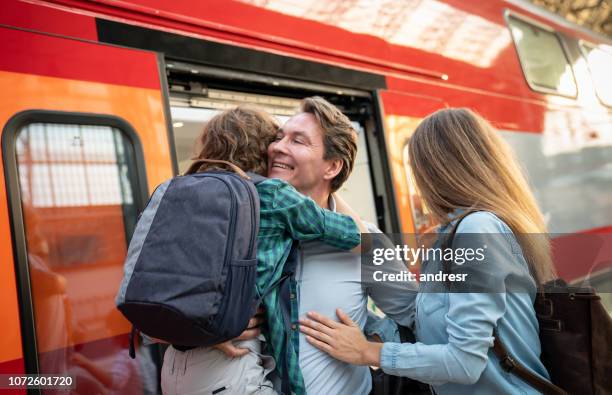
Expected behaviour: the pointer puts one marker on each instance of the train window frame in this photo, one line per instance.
(581, 45)
(508, 16)
(10, 133)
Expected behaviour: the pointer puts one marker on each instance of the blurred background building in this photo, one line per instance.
(592, 14)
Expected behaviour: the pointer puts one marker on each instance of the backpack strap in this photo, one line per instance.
(510, 365)
(132, 349)
(285, 307)
(256, 178)
(197, 163)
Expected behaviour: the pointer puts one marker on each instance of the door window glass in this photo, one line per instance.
(189, 115)
(77, 187)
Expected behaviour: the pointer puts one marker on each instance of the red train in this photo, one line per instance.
(101, 101)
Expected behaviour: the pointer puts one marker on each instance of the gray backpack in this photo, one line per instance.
(189, 275)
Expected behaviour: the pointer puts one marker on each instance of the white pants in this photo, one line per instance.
(206, 371)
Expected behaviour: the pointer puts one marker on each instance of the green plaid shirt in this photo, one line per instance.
(287, 215)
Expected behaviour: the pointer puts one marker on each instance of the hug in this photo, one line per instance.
(307, 335)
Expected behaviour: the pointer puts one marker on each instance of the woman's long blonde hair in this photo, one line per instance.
(459, 161)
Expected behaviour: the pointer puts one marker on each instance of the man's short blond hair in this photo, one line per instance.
(339, 136)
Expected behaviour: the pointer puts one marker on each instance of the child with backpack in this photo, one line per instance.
(240, 137)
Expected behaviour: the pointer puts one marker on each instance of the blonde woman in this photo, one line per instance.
(463, 168)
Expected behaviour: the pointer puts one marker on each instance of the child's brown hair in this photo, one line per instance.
(240, 136)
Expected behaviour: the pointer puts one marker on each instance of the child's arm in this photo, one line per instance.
(284, 207)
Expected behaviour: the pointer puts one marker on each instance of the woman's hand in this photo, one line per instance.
(342, 340)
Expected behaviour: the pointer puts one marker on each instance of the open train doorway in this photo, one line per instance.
(197, 93)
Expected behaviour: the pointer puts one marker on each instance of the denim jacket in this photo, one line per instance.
(454, 331)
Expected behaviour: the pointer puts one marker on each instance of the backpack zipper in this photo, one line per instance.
(228, 254)
(254, 232)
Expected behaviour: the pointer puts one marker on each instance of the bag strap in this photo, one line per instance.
(285, 308)
(256, 178)
(450, 235)
(447, 242)
(132, 348)
(197, 164)
(507, 363)
(510, 365)
(273, 286)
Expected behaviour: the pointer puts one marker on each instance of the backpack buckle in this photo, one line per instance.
(508, 364)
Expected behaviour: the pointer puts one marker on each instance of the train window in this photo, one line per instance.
(542, 58)
(599, 60)
(79, 190)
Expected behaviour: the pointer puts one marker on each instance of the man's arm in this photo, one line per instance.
(395, 298)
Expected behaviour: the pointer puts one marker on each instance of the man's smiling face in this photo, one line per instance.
(296, 155)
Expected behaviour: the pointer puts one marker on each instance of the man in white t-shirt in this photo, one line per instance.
(315, 151)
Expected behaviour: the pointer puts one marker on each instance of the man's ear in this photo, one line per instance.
(333, 167)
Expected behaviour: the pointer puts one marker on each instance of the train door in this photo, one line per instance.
(84, 136)
(199, 92)
(403, 113)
